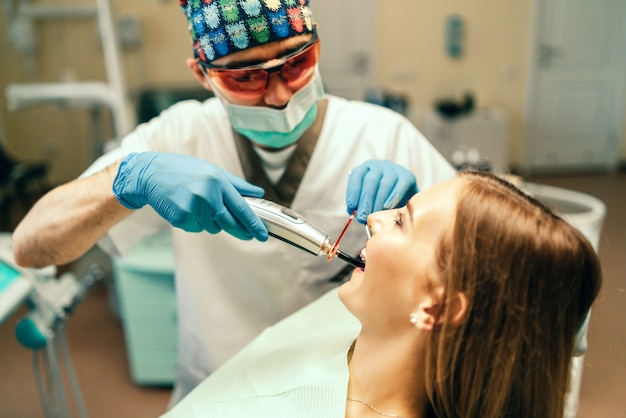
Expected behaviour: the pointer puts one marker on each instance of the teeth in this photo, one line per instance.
(363, 254)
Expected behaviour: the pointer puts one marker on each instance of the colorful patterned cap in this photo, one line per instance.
(222, 27)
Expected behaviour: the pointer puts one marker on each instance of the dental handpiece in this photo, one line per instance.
(290, 227)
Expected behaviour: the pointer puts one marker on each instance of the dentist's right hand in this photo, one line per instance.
(189, 193)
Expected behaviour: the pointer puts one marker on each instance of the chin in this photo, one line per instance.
(356, 277)
(349, 288)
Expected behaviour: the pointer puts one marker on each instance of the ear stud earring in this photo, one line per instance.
(414, 317)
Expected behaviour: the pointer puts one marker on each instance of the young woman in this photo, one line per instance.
(468, 306)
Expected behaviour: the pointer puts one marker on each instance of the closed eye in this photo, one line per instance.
(399, 219)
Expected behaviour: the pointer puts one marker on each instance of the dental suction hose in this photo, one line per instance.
(52, 300)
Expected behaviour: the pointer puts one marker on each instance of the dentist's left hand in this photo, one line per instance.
(189, 193)
(377, 185)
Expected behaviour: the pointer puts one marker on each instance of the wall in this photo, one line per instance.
(70, 50)
(411, 58)
(623, 148)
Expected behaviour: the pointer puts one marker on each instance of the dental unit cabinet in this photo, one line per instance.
(146, 299)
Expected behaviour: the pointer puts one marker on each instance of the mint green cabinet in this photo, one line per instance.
(146, 296)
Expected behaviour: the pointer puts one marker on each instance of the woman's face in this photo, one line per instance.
(400, 258)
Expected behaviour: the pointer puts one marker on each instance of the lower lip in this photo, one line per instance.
(356, 272)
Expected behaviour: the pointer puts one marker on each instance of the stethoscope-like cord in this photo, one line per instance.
(71, 374)
(52, 394)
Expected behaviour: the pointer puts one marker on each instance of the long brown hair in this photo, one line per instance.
(530, 279)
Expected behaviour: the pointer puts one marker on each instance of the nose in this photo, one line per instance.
(378, 220)
(375, 222)
(277, 93)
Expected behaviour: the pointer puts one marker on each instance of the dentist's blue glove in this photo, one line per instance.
(377, 185)
(189, 193)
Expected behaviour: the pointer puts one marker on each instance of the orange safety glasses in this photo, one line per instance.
(294, 68)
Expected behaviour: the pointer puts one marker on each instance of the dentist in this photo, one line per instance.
(269, 131)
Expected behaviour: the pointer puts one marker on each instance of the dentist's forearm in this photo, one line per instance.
(66, 222)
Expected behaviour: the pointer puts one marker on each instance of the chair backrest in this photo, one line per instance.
(6, 164)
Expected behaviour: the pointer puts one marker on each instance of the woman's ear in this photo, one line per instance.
(196, 70)
(430, 312)
(458, 306)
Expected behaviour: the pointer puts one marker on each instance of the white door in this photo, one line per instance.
(576, 99)
(348, 32)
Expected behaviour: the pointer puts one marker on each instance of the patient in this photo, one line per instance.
(468, 306)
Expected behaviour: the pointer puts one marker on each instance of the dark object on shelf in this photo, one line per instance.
(155, 100)
(451, 109)
(15, 178)
(391, 100)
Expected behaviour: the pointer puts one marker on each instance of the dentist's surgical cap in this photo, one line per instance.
(222, 27)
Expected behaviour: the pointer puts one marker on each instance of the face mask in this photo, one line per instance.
(280, 139)
(276, 128)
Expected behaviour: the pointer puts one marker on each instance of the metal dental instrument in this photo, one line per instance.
(288, 226)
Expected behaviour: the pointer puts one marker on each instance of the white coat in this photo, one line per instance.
(228, 290)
